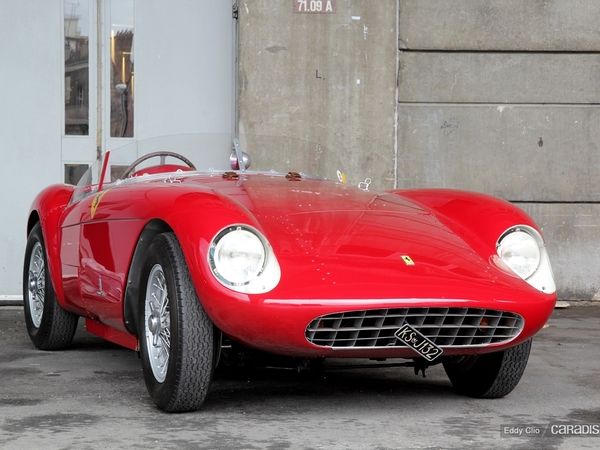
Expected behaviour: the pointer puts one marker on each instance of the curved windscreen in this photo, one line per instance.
(202, 151)
(211, 151)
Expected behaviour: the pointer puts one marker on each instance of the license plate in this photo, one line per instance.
(419, 343)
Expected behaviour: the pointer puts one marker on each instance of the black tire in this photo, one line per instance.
(191, 359)
(55, 328)
(492, 375)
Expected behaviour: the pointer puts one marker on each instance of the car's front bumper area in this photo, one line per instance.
(365, 328)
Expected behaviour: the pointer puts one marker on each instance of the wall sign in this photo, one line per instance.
(314, 6)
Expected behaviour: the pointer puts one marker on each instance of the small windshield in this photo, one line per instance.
(211, 151)
(205, 151)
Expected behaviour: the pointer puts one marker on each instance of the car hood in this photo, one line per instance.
(340, 241)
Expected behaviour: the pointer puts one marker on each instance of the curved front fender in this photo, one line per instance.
(479, 219)
(49, 206)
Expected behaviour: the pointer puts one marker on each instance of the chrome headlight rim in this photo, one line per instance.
(218, 240)
(265, 278)
(542, 277)
(532, 233)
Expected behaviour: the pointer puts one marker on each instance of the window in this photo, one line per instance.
(117, 171)
(121, 68)
(74, 172)
(77, 85)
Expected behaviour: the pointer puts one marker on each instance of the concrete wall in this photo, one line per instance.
(502, 96)
(317, 91)
(499, 96)
(511, 25)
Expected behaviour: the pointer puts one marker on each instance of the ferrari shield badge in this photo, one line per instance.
(96, 202)
(408, 260)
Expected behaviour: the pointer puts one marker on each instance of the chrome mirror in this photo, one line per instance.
(238, 155)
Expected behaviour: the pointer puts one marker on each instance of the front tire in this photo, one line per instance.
(176, 336)
(492, 375)
(49, 326)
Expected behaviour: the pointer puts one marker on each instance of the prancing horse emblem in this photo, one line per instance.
(96, 202)
(408, 260)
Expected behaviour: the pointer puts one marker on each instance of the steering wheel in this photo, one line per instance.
(131, 168)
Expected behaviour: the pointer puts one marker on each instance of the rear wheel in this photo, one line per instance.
(176, 335)
(49, 326)
(492, 375)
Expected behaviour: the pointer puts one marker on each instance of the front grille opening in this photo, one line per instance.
(446, 327)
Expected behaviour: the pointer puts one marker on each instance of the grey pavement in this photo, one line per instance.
(93, 396)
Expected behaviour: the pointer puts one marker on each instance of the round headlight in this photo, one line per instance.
(520, 251)
(237, 256)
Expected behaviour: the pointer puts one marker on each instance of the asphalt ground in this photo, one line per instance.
(93, 397)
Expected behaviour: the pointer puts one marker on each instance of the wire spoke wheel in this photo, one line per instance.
(36, 284)
(49, 326)
(175, 334)
(157, 323)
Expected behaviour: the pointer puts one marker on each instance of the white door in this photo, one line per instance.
(156, 68)
(82, 76)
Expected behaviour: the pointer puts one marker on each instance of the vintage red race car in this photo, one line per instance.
(169, 261)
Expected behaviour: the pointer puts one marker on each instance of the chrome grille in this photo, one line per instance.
(446, 327)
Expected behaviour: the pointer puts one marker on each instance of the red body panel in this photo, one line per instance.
(50, 205)
(339, 249)
(110, 334)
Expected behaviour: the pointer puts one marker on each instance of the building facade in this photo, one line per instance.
(498, 96)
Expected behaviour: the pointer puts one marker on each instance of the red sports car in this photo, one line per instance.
(169, 261)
